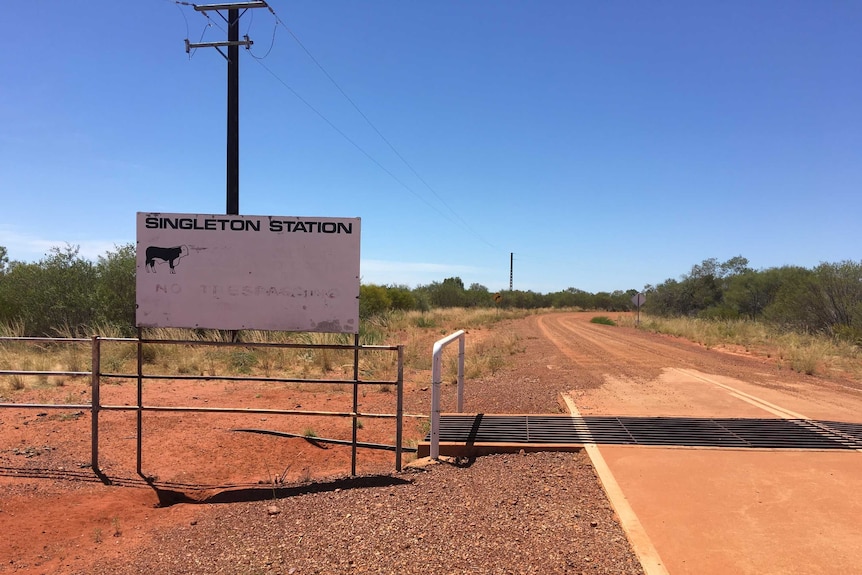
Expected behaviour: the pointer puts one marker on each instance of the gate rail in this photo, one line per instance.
(96, 375)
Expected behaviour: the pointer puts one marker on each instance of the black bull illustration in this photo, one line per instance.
(170, 255)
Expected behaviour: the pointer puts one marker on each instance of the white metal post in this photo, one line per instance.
(436, 380)
(435, 405)
(461, 375)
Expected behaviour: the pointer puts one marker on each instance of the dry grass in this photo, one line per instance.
(14, 329)
(812, 354)
(487, 351)
(41, 357)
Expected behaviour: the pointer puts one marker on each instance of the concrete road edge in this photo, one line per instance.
(637, 536)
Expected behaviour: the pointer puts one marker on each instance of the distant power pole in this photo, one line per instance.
(511, 268)
(233, 43)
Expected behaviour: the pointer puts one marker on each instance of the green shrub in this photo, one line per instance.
(373, 299)
(603, 319)
(718, 312)
(425, 321)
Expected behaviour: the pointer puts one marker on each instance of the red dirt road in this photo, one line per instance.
(709, 510)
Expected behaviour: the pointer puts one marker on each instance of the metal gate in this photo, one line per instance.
(97, 375)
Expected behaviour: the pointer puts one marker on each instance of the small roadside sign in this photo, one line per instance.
(639, 299)
(498, 298)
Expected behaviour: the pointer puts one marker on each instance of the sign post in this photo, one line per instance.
(638, 300)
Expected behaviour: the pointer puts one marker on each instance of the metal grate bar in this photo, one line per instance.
(651, 431)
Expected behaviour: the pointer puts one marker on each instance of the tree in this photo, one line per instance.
(665, 299)
(734, 266)
(835, 295)
(4, 260)
(450, 293)
(116, 286)
(525, 300)
(15, 288)
(700, 290)
(751, 292)
(572, 297)
(401, 298)
(373, 300)
(603, 301)
(784, 308)
(478, 296)
(56, 294)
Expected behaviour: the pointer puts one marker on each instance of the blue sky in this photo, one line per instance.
(608, 145)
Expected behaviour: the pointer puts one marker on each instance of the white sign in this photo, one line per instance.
(248, 272)
(639, 299)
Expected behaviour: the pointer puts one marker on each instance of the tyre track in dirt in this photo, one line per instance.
(621, 352)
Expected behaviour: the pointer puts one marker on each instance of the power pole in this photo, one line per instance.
(232, 44)
(511, 268)
(232, 160)
(234, 13)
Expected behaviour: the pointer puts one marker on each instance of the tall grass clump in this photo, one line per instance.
(708, 332)
(14, 328)
(374, 330)
(16, 382)
(322, 360)
(418, 330)
(487, 356)
(811, 354)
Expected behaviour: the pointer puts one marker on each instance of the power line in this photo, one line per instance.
(235, 11)
(271, 44)
(258, 59)
(177, 4)
(373, 127)
(210, 23)
(203, 33)
(350, 140)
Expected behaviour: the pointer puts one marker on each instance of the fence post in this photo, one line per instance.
(139, 464)
(355, 408)
(399, 409)
(95, 402)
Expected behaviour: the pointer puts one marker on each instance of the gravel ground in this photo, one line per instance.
(499, 514)
(515, 513)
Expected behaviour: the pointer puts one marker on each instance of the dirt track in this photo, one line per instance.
(706, 511)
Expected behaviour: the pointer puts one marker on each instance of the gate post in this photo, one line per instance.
(95, 402)
(399, 409)
(140, 407)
